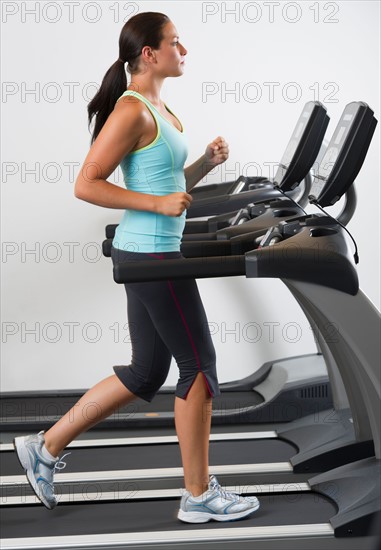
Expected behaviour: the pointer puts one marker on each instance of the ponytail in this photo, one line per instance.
(113, 85)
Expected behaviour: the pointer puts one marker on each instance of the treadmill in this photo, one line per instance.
(277, 383)
(328, 293)
(340, 165)
(339, 503)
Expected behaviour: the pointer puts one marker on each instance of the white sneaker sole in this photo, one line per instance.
(23, 456)
(203, 517)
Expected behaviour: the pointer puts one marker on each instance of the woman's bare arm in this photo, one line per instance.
(216, 152)
(196, 171)
(121, 132)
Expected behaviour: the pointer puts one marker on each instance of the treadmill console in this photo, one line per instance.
(345, 154)
(303, 147)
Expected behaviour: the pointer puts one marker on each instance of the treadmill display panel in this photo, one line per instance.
(345, 154)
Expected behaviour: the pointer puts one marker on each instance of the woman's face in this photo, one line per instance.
(170, 56)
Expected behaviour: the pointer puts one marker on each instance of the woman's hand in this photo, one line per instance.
(217, 151)
(173, 204)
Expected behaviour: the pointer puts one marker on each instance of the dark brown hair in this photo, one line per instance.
(143, 29)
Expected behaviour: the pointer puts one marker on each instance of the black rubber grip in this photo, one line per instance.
(192, 268)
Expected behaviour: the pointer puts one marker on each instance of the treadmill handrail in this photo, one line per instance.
(325, 249)
(143, 271)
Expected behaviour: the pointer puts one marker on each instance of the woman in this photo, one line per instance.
(135, 129)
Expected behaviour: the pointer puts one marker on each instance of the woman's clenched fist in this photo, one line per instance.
(173, 204)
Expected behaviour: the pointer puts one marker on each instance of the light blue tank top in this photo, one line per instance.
(156, 169)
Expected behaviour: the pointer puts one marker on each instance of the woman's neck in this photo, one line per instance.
(150, 89)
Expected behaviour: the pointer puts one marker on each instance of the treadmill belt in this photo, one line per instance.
(154, 515)
(43, 407)
(161, 456)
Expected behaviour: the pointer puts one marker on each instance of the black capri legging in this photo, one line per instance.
(166, 318)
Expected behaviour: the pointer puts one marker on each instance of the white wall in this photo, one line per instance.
(64, 291)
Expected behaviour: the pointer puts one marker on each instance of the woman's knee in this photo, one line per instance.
(145, 387)
(206, 359)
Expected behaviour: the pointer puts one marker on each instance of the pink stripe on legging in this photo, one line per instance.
(189, 335)
(160, 256)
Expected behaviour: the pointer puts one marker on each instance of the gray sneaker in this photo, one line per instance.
(39, 470)
(215, 504)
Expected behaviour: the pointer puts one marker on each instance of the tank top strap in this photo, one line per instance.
(141, 98)
(153, 109)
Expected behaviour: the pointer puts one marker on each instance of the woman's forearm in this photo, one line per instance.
(196, 171)
(103, 193)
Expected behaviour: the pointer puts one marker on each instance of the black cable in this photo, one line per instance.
(313, 200)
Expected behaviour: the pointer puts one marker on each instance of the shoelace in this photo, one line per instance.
(228, 496)
(60, 461)
(225, 494)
